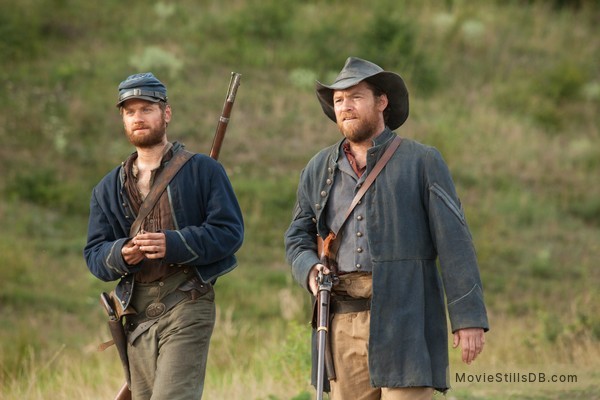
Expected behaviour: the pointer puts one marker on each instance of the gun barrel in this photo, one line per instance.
(323, 298)
(234, 83)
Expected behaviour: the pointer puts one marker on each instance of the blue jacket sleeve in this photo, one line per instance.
(104, 242)
(214, 227)
(300, 237)
(453, 242)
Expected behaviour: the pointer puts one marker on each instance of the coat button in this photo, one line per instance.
(359, 250)
(318, 206)
(329, 181)
(323, 193)
(360, 218)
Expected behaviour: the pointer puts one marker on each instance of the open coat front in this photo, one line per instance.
(209, 225)
(414, 217)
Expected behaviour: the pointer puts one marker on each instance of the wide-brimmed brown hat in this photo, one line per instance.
(357, 70)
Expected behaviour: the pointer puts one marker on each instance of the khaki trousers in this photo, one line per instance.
(168, 361)
(350, 349)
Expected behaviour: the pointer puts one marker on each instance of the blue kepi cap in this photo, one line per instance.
(143, 86)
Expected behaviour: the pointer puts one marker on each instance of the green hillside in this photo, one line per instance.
(508, 91)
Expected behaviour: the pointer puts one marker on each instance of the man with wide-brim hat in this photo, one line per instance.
(388, 330)
(357, 70)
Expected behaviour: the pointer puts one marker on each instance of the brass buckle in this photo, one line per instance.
(155, 310)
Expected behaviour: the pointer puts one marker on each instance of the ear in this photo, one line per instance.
(168, 114)
(382, 102)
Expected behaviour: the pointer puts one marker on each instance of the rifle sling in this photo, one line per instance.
(159, 186)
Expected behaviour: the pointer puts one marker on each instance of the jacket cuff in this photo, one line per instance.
(468, 311)
(115, 261)
(301, 267)
(178, 252)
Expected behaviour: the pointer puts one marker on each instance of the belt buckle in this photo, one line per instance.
(155, 310)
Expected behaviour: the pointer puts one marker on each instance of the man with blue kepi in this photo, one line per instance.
(166, 254)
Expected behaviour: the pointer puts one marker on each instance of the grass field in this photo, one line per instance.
(509, 91)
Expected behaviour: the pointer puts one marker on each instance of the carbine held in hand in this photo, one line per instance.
(324, 359)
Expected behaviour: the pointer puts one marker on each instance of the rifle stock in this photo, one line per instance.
(125, 393)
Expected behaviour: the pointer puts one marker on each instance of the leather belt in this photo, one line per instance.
(144, 320)
(350, 306)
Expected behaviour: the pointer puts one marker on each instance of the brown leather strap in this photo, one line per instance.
(370, 179)
(327, 246)
(350, 306)
(159, 186)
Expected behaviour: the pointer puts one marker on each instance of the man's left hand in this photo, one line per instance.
(471, 341)
(153, 245)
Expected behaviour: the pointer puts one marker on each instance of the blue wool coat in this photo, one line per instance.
(207, 216)
(414, 218)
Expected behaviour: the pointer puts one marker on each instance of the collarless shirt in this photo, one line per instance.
(158, 219)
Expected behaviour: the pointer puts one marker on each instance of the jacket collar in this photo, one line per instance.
(383, 138)
(379, 143)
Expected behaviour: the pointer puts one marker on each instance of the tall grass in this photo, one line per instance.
(508, 91)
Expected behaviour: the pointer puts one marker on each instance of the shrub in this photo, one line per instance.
(390, 41)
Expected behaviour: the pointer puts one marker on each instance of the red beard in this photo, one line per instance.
(359, 130)
(153, 137)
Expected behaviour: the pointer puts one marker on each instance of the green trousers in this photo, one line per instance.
(168, 361)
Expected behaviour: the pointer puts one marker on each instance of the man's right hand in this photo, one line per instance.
(312, 277)
(131, 253)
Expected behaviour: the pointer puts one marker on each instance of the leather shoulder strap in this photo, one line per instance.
(370, 179)
(327, 248)
(159, 186)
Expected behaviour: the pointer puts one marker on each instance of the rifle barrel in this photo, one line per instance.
(323, 297)
(234, 83)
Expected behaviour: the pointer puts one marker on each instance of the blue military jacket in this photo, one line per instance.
(209, 225)
(414, 218)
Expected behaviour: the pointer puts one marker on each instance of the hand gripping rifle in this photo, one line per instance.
(234, 83)
(327, 249)
(324, 361)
